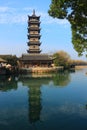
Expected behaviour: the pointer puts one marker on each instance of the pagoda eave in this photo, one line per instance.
(33, 16)
(33, 51)
(33, 43)
(34, 36)
(33, 22)
(34, 28)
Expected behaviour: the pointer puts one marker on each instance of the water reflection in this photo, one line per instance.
(10, 82)
(7, 83)
(62, 79)
(35, 83)
(34, 98)
(34, 94)
(18, 108)
(34, 104)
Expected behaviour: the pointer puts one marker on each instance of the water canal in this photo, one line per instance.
(54, 102)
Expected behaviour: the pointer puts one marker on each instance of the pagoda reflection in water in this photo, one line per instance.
(34, 94)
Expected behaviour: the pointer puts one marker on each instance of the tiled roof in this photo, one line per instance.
(35, 57)
(2, 60)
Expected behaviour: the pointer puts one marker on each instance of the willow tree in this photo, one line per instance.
(75, 11)
(62, 58)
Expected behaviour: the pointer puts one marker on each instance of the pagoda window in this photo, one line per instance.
(34, 39)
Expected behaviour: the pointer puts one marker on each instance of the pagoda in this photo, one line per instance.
(34, 34)
(34, 57)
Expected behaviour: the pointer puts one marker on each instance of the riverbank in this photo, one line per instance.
(78, 67)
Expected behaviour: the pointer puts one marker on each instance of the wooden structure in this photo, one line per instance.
(37, 60)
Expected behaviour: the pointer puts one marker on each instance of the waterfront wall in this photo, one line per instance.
(40, 70)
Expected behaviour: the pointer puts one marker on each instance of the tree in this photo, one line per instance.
(75, 11)
(11, 59)
(61, 58)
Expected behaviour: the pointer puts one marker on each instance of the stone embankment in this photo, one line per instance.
(40, 69)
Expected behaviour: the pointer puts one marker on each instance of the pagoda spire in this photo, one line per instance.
(34, 12)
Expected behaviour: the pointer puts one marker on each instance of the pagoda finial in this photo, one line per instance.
(33, 11)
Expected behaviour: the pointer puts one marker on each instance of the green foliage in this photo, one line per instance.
(75, 11)
(61, 59)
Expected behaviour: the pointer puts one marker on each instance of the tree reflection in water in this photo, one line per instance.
(62, 79)
(8, 83)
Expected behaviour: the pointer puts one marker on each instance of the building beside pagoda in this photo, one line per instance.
(34, 57)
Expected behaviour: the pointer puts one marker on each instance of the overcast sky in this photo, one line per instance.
(55, 33)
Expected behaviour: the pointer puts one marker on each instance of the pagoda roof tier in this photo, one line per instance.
(37, 57)
(33, 51)
(34, 28)
(34, 36)
(34, 22)
(33, 43)
(33, 16)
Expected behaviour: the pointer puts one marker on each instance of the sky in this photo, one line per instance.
(55, 33)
